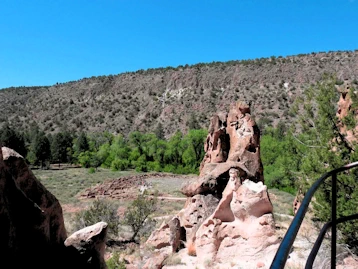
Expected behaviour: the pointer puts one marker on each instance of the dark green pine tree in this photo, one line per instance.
(82, 144)
(12, 139)
(159, 132)
(326, 148)
(40, 150)
(193, 123)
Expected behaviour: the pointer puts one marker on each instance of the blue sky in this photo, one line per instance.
(47, 41)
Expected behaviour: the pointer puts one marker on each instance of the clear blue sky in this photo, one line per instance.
(47, 41)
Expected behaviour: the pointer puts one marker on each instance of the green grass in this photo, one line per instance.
(66, 183)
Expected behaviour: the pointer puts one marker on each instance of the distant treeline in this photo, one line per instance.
(142, 152)
(179, 154)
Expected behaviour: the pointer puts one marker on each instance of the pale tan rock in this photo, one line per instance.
(160, 238)
(157, 259)
(350, 262)
(244, 154)
(195, 211)
(242, 227)
(344, 109)
(244, 140)
(90, 242)
(214, 179)
(238, 229)
(217, 142)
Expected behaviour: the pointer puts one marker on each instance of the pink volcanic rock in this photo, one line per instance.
(157, 259)
(90, 244)
(32, 227)
(160, 238)
(344, 109)
(32, 230)
(195, 211)
(242, 227)
(244, 140)
(228, 215)
(244, 154)
(184, 225)
(217, 142)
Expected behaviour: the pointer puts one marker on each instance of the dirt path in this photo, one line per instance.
(170, 198)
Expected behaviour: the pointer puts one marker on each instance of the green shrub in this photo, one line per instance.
(100, 210)
(119, 165)
(91, 170)
(115, 263)
(154, 166)
(138, 214)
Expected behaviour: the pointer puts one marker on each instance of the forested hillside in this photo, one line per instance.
(179, 98)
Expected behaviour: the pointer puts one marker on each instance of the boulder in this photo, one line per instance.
(243, 136)
(157, 259)
(160, 238)
(90, 244)
(345, 108)
(32, 233)
(32, 226)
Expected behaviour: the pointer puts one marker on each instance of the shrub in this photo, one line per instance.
(138, 214)
(119, 165)
(115, 263)
(100, 210)
(154, 166)
(91, 170)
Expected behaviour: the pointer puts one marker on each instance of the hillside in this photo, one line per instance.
(171, 96)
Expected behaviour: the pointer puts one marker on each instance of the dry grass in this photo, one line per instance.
(66, 183)
(281, 201)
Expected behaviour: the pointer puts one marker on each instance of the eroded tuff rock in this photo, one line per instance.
(244, 140)
(195, 211)
(32, 230)
(349, 136)
(32, 227)
(184, 225)
(241, 229)
(243, 137)
(217, 142)
(228, 215)
(345, 108)
(90, 244)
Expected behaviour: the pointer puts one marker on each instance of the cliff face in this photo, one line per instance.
(140, 100)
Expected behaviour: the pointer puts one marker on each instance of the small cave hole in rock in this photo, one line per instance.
(222, 181)
(252, 148)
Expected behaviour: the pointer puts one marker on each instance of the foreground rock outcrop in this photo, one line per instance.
(227, 219)
(32, 233)
(90, 243)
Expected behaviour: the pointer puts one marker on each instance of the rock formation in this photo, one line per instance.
(241, 229)
(346, 107)
(217, 143)
(32, 230)
(90, 243)
(227, 218)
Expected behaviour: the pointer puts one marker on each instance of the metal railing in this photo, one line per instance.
(285, 247)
